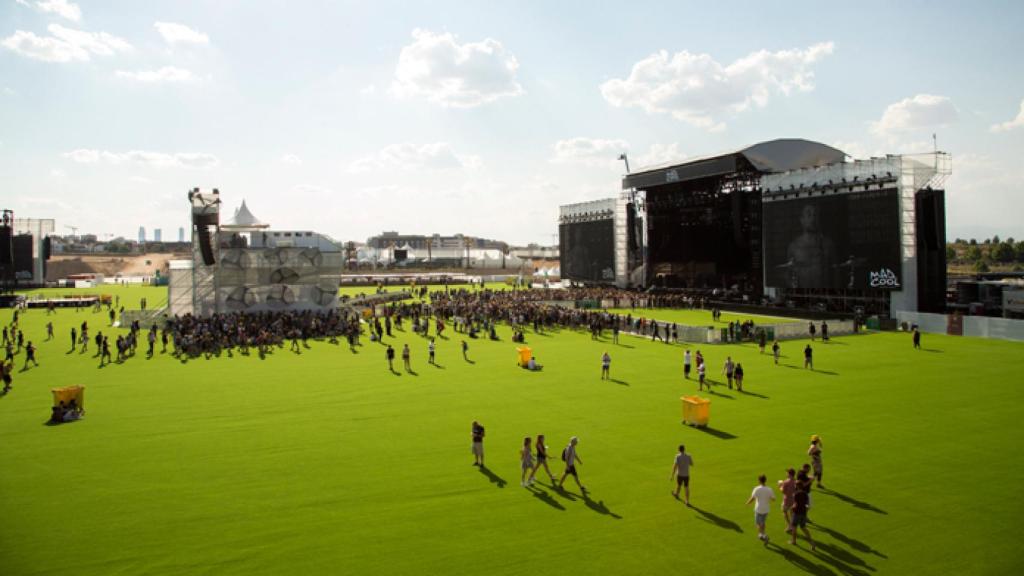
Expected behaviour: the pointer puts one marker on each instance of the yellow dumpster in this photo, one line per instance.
(696, 410)
(524, 355)
(68, 393)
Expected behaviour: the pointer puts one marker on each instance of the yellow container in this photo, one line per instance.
(524, 355)
(696, 410)
(67, 393)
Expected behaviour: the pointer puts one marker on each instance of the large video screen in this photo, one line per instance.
(587, 251)
(841, 241)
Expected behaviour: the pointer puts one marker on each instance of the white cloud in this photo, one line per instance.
(65, 44)
(145, 158)
(660, 154)
(174, 33)
(918, 112)
(291, 159)
(368, 90)
(1015, 123)
(697, 89)
(438, 68)
(165, 75)
(589, 151)
(23, 2)
(61, 8)
(408, 156)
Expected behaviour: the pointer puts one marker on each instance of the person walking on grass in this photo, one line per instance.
(737, 374)
(606, 364)
(764, 497)
(570, 457)
(30, 355)
(465, 351)
(727, 369)
(815, 453)
(681, 473)
(701, 373)
(811, 329)
(526, 462)
(390, 355)
(762, 340)
(801, 502)
(917, 338)
(808, 357)
(788, 489)
(542, 460)
(478, 444)
(49, 331)
(406, 358)
(775, 351)
(686, 365)
(430, 350)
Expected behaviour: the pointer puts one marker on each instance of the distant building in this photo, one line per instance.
(419, 241)
(142, 234)
(157, 235)
(181, 234)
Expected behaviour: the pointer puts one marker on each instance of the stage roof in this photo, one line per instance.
(771, 156)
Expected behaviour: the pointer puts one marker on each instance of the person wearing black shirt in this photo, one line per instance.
(478, 444)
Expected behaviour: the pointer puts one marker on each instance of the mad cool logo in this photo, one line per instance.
(884, 278)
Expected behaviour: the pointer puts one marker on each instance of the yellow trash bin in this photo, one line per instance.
(696, 410)
(525, 353)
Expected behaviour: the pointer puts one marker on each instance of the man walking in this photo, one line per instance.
(686, 365)
(405, 358)
(606, 363)
(30, 354)
(917, 338)
(430, 350)
(478, 444)
(811, 330)
(801, 501)
(775, 351)
(681, 473)
(764, 497)
(808, 357)
(570, 457)
(727, 369)
(465, 351)
(390, 354)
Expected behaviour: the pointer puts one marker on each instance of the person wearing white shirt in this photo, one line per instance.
(763, 496)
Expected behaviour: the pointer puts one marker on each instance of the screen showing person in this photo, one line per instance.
(811, 254)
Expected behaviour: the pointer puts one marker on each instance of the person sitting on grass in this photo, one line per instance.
(532, 364)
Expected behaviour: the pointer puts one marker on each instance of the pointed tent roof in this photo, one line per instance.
(243, 218)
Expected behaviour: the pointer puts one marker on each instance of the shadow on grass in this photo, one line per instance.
(599, 507)
(717, 520)
(546, 498)
(413, 372)
(933, 350)
(754, 394)
(717, 433)
(494, 478)
(720, 394)
(851, 500)
(438, 366)
(619, 382)
(826, 372)
(799, 561)
(843, 560)
(851, 542)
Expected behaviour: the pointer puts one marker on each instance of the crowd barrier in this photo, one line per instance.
(976, 326)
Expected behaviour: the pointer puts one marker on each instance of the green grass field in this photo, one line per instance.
(324, 462)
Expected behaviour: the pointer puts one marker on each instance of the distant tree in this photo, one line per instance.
(950, 253)
(1003, 252)
(981, 267)
(959, 241)
(1019, 249)
(987, 241)
(973, 253)
(995, 239)
(1010, 240)
(973, 242)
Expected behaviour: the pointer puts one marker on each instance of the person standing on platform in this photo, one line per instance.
(764, 497)
(681, 473)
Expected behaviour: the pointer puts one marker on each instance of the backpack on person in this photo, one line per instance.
(565, 451)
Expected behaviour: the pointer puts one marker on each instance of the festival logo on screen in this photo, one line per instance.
(884, 278)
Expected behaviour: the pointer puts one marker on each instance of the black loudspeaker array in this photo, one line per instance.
(930, 208)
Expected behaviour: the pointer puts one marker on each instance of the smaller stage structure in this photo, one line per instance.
(245, 266)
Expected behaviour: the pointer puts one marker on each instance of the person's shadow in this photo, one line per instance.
(851, 500)
(799, 561)
(494, 478)
(717, 520)
(599, 507)
(546, 498)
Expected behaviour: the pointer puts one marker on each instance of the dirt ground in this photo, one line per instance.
(110, 265)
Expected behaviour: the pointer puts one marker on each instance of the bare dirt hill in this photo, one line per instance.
(60, 266)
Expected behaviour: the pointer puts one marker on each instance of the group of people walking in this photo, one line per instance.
(796, 496)
(532, 457)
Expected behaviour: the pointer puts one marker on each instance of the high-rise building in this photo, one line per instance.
(181, 234)
(142, 234)
(157, 234)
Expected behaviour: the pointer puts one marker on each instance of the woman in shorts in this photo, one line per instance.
(526, 458)
(542, 460)
(815, 453)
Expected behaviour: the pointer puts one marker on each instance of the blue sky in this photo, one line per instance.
(355, 117)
